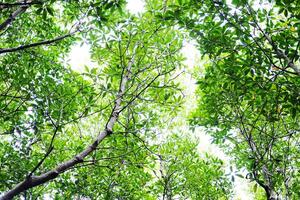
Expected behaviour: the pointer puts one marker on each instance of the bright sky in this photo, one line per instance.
(80, 56)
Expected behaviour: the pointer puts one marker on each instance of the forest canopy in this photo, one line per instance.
(131, 125)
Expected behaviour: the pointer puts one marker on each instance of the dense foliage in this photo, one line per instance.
(250, 90)
(107, 132)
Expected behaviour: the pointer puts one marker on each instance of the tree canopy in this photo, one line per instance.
(114, 130)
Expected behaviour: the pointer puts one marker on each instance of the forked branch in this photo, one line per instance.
(33, 181)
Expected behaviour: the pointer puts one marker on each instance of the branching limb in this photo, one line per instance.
(79, 158)
(277, 51)
(13, 16)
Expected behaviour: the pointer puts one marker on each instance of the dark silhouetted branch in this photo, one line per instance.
(26, 46)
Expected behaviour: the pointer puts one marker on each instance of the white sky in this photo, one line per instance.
(80, 56)
(135, 6)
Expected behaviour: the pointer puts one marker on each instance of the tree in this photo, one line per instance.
(50, 113)
(71, 135)
(183, 174)
(250, 90)
(40, 115)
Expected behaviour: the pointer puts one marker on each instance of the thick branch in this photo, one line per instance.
(13, 16)
(79, 158)
(26, 46)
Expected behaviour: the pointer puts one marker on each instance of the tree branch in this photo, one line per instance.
(79, 158)
(26, 46)
(13, 16)
(25, 3)
(277, 51)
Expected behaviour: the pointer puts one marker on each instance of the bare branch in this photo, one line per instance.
(26, 46)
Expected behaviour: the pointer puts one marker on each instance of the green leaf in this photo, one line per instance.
(255, 187)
